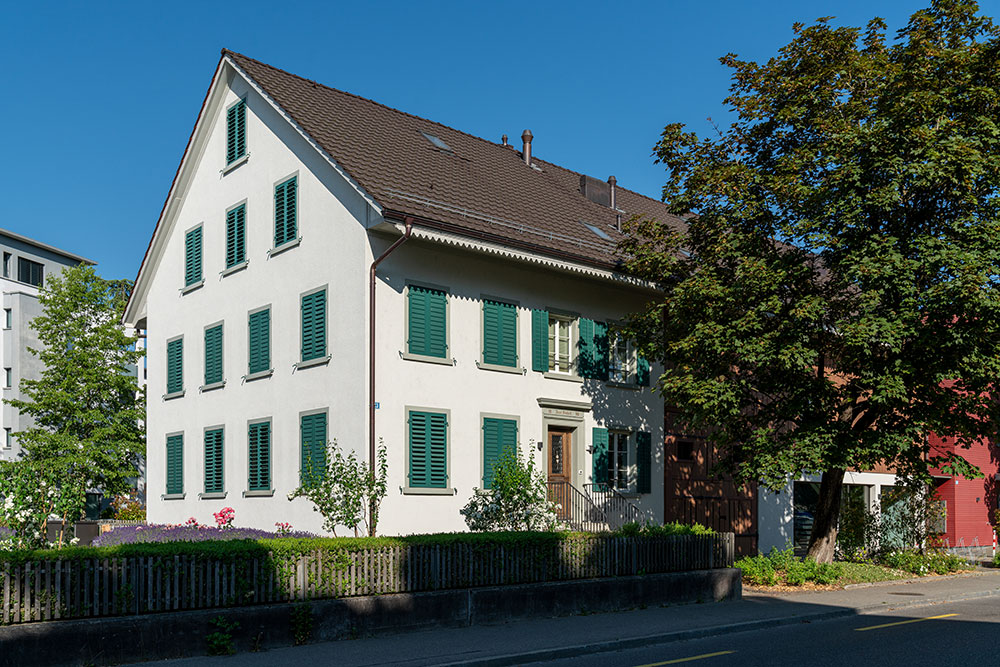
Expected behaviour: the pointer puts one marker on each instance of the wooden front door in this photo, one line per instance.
(560, 463)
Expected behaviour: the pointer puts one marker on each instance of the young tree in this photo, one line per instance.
(517, 500)
(834, 298)
(88, 414)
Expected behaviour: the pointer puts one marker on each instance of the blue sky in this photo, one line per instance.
(99, 97)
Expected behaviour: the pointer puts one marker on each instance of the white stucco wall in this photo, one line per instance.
(336, 251)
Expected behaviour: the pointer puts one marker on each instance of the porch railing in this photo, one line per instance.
(618, 510)
(576, 508)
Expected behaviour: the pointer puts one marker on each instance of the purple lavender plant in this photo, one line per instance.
(157, 533)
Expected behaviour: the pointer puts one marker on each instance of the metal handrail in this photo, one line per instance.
(576, 508)
(617, 509)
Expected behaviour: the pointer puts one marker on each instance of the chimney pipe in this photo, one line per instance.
(503, 139)
(611, 182)
(526, 151)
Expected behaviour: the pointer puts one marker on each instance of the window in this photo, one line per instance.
(685, 450)
(175, 366)
(285, 210)
(192, 257)
(499, 333)
(621, 366)
(559, 346)
(8, 438)
(314, 325)
(618, 460)
(8, 318)
(214, 439)
(499, 438)
(259, 333)
(312, 431)
(428, 449)
(236, 244)
(259, 442)
(427, 322)
(175, 464)
(6, 265)
(436, 141)
(236, 131)
(213, 355)
(8, 380)
(644, 462)
(29, 272)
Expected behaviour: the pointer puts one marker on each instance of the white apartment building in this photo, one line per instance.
(492, 313)
(26, 266)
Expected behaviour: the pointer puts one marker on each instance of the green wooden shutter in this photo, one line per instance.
(600, 455)
(641, 371)
(499, 333)
(313, 436)
(540, 340)
(285, 212)
(428, 444)
(213, 355)
(601, 351)
(213, 461)
(499, 436)
(192, 257)
(643, 461)
(585, 366)
(236, 131)
(236, 248)
(175, 464)
(259, 333)
(175, 366)
(314, 325)
(259, 454)
(427, 321)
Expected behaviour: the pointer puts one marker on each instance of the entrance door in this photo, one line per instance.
(560, 465)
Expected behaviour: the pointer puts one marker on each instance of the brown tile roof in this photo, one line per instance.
(480, 189)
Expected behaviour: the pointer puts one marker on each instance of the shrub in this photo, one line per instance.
(922, 564)
(634, 528)
(127, 508)
(187, 533)
(758, 570)
(519, 499)
(781, 566)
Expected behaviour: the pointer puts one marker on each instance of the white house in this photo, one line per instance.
(491, 313)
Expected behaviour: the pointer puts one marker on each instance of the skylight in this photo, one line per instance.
(597, 230)
(437, 141)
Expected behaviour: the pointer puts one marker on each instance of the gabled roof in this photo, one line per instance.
(477, 188)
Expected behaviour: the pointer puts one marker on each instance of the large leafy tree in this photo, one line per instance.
(88, 415)
(834, 298)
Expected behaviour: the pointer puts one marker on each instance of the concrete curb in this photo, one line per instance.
(699, 633)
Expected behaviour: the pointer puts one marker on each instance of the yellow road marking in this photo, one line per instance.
(693, 657)
(913, 620)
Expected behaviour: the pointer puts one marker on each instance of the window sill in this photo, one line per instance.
(287, 245)
(444, 361)
(420, 491)
(187, 289)
(309, 363)
(259, 493)
(209, 387)
(250, 377)
(235, 163)
(501, 369)
(623, 385)
(213, 496)
(176, 394)
(234, 268)
(173, 496)
(565, 377)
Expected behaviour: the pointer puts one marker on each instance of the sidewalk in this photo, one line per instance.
(546, 639)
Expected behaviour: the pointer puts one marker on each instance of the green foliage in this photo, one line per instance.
(127, 507)
(86, 407)
(634, 528)
(302, 623)
(780, 567)
(907, 520)
(32, 491)
(518, 500)
(345, 490)
(835, 299)
(924, 563)
(220, 640)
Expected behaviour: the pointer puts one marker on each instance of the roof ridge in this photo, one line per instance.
(421, 118)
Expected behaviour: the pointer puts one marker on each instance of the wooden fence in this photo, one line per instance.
(84, 588)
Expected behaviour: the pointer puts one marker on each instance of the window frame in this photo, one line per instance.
(448, 358)
(233, 268)
(614, 442)
(269, 491)
(482, 363)
(326, 356)
(206, 494)
(571, 323)
(631, 358)
(483, 416)
(218, 384)
(267, 372)
(295, 238)
(302, 415)
(447, 490)
(167, 495)
(191, 286)
(241, 157)
(179, 392)
(30, 264)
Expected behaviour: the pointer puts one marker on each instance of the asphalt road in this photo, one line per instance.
(957, 633)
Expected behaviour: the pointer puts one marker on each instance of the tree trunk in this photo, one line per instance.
(824, 531)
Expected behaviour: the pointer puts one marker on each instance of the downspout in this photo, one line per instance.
(371, 360)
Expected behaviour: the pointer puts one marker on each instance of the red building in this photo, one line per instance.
(971, 503)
